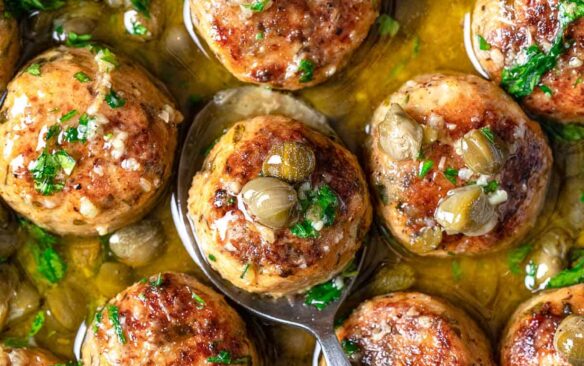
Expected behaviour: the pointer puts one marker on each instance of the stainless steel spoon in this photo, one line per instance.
(291, 311)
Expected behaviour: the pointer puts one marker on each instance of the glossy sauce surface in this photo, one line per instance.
(431, 38)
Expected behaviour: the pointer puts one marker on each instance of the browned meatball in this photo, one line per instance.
(26, 357)
(170, 319)
(288, 44)
(503, 32)
(273, 228)
(457, 166)
(9, 46)
(413, 329)
(529, 337)
(88, 141)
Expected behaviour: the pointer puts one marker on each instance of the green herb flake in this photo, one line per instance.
(387, 25)
(67, 116)
(34, 69)
(483, 44)
(259, 36)
(78, 40)
(257, 6)
(456, 270)
(349, 347)
(37, 324)
(488, 133)
(48, 262)
(82, 77)
(138, 29)
(491, 187)
(244, 272)
(114, 317)
(517, 256)
(142, 6)
(14, 342)
(225, 358)
(425, 168)
(546, 90)
(451, 174)
(53, 131)
(306, 68)
(46, 168)
(142, 297)
(571, 276)
(97, 321)
(212, 258)
(108, 56)
(201, 303)
(320, 205)
(320, 296)
(114, 100)
(158, 281)
(79, 133)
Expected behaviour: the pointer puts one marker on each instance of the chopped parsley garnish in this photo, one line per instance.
(483, 44)
(456, 270)
(114, 100)
(78, 40)
(158, 281)
(82, 77)
(142, 6)
(79, 133)
(97, 321)
(201, 303)
(319, 207)
(306, 68)
(114, 317)
(488, 133)
(425, 168)
(212, 258)
(570, 276)
(259, 36)
(224, 358)
(108, 56)
(451, 174)
(244, 272)
(53, 131)
(320, 296)
(37, 324)
(48, 262)
(67, 116)
(257, 6)
(349, 347)
(546, 90)
(138, 29)
(517, 256)
(520, 80)
(34, 69)
(46, 169)
(387, 25)
(491, 187)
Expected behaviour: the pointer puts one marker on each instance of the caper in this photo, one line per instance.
(400, 136)
(113, 278)
(290, 161)
(483, 151)
(26, 300)
(398, 277)
(569, 339)
(426, 240)
(466, 210)
(67, 305)
(549, 257)
(137, 245)
(270, 202)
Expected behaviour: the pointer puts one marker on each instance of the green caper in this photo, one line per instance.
(426, 240)
(400, 136)
(138, 244)
(466, 210)
(67, 305)
(393, 278)
(270, 202)
(113, 278)
(569, 339)
(483, 151)
(549, 257)
(290, 161)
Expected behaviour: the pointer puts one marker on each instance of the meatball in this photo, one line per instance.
(170, 319)
(26, 357)
(457, 166)
(510, 38)
(9, 46)
(288, 44)
(413, 329)
(278, 206)
(528, 339)
(89, 141)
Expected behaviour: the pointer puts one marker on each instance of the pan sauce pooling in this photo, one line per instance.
(430, 38)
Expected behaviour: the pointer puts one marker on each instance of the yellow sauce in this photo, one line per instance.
(430, 39)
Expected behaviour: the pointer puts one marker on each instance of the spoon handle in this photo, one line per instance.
(331, 348)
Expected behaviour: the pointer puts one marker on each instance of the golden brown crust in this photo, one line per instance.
(122, 167)
(529, 337)
(454, 105)
(414, 329)
(512, 26)
(9, 46)
(26, 357)
(324, 32)
(177, 322)
(280, 262)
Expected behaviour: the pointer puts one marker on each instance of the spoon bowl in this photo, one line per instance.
(288, 310)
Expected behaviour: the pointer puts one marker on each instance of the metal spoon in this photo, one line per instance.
(291, 311)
